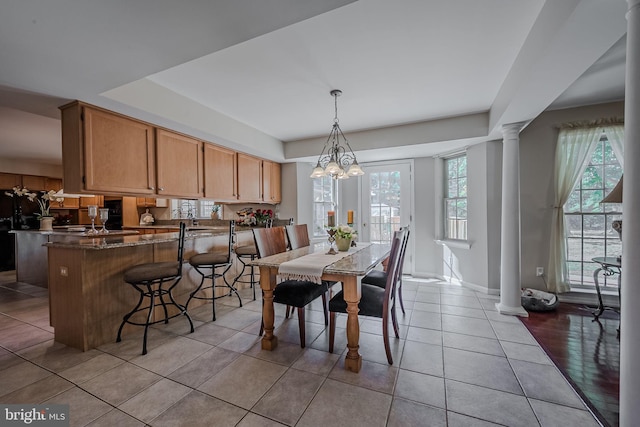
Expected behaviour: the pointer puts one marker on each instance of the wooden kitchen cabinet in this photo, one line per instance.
(106, 153)
(94, 200)
(249, 178)
(220, 174)
(179, 165)
(34, 183)
(9, 180)
(53, 184)
(271, 182)
(67, 203)
(145, 202)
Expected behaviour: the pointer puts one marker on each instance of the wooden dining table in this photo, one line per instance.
(346, 270)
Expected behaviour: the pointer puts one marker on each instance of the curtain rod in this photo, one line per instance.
(592, 123)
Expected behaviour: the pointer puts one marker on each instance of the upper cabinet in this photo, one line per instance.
(9, 180)
(220, 174)
(106, 153)
(179, 165)
(110, 154)
(249, 178)
(271, 182)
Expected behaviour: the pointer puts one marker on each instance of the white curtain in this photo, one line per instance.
(615, 135)
(574, 148)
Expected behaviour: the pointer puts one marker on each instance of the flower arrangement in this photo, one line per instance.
(19, 191)
(45, 202)
(262, 215)
(344, 232)
(250, 217)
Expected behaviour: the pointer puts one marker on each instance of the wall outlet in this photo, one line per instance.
(64, 272)
(539, 271)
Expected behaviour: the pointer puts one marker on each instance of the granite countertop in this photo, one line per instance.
(65, 231)
(109, 241)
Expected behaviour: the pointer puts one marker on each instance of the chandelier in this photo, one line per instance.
(336, 160)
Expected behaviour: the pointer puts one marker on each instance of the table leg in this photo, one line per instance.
(352, 292)
(267, 283)
(600, 308)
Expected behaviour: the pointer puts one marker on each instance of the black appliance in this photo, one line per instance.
(115, 213)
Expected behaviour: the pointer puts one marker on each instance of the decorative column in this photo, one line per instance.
(630, 291)
(510, 230)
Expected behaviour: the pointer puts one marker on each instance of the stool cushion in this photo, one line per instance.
(297, 293)
(376, 278)
(371, 302)
(246, 250)
(151, 271)
(210, 258)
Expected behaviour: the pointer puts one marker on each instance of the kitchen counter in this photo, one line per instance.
(31, 255)
(87, 292)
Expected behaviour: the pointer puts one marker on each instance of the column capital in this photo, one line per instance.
(512, 130)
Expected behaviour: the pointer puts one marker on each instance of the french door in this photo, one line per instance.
(385, 202)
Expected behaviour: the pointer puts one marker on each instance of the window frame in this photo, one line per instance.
(608, 212)
(460, 224)
(323, 205)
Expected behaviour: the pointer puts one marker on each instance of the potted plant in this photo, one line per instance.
(215, 212)
(343, 235)
(44, 201)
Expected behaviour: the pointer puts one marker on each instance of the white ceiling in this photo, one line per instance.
(250, 74)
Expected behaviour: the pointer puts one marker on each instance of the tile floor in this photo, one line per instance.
(458, 363)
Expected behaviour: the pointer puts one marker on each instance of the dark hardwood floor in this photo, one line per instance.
(586, 351)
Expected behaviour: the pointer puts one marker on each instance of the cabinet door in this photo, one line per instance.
(271, 182)
(88, 201)
(119, 154)
(249, 178)
(179, 161)
(220, 166)
(276, 183)
(33, 183)
(53, 184)
(9, 180)
(145, 202)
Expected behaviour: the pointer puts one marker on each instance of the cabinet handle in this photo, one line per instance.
(161, 188)
(152, 188)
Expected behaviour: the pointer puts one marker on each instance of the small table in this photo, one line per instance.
(609, 266)
(345, 270)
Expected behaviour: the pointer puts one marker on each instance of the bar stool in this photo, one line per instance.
(213, 261)
(149, 279)
(245, 254)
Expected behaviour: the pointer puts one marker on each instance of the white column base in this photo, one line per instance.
(511, 311)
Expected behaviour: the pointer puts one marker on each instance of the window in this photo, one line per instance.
(324, 197)
(588, 231)
(455, 198)
(181, 209)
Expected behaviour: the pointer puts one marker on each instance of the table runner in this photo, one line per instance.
(310, 267)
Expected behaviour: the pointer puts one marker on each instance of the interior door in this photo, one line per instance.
(386, 203)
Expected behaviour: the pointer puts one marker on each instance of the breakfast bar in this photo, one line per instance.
(88, 296)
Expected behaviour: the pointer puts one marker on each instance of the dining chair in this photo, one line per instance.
(298, 237)
(374, 301)
(294, 293)
(149, 280)
(379, 277)
(214, 260)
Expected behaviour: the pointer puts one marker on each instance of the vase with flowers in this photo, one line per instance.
(343, 236)
(263, 215)
(44, 202)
